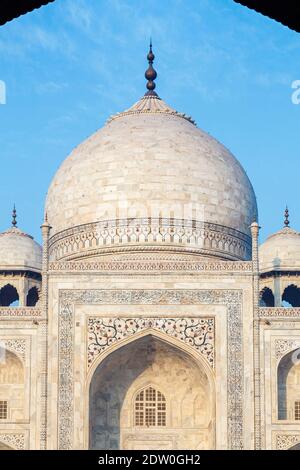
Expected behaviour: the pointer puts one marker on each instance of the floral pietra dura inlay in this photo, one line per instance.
(197, 332)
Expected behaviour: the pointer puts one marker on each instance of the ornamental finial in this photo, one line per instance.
(286, 217)
(14, 217)
(150, 73)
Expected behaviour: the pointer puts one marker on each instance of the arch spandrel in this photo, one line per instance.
(198, 334)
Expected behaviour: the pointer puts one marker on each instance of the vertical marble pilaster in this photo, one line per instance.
(43, 335)
(256, 338)
(277, 291)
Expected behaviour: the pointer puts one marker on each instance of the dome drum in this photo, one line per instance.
(136, 234)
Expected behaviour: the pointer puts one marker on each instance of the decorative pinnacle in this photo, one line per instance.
(14, 217)
(45, 227)
(286, 217)
(150, 74)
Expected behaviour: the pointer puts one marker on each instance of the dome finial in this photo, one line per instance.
(14, 217)
(286, 217)
(150, 73)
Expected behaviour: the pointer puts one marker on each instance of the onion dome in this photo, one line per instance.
(150, 179)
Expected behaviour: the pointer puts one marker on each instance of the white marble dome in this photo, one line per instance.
(281, 251)
(152, 163)
(19, 251)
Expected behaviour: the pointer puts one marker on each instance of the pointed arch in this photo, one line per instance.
(11, 367)
(291, 295)
(266, 297)
(177, 343)
(8, 295)
(32, 297)
(122, 374)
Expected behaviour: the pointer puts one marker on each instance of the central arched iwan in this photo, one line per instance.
(172, 390)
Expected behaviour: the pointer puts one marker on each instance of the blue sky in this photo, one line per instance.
(70, 65)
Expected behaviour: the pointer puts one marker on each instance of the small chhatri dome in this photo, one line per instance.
(281, 251)
(18, 250)
(151, 180)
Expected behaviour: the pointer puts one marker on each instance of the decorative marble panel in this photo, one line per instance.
(232, 299)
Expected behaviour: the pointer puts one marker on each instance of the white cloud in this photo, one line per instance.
(50, 87)
(268, 79)
(79, 13)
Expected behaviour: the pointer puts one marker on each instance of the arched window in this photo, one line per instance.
(3, 409)
(267, 298)
(291, 296)
(32, 297)
(297, 410)
(150, 408)
(9, 296)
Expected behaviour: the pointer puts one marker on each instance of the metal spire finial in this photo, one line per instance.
(14, 217)
(286, 217)
(150, 73)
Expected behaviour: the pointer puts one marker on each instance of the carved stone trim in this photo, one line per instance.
(154, 439)
(85, 239)
(286, 441)
(14, 440)
(66, 378)
(197, 332)
(279, 312)
(152, 266)
(20, 312)
(284, 346)
(232, 299)
(43, 336)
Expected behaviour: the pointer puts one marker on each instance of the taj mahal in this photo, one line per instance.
(150, 317)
